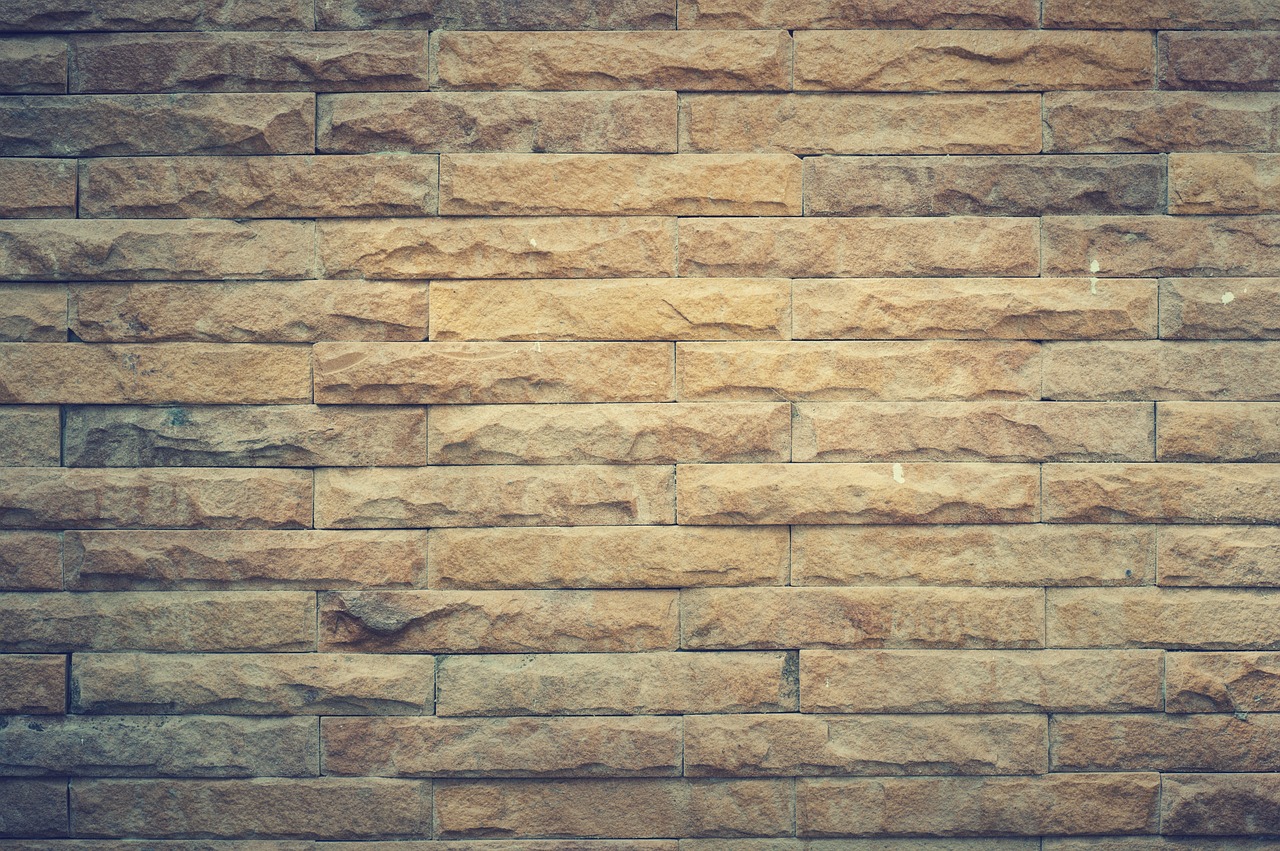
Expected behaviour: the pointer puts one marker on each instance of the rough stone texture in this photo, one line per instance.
(897, 618)
(1219, 431)
(1164, 493)
(130, 15)
(495, 15)
(1153, 843)
(1244, 556)
(1220, 308)
(1002, 844)
(1193, 371)
(617, 684)
(30, 561)
(33, 66)
(514, 122)
(1220, 61)
(1222, 682)
(1175, 619)
(1165, 742)
(37, 189)
(862, 124)
(35, 313)
(833, 14)
(1161, 14)
(1220, 804)
(1101, 122)
(30, 436)
(612, 309)
(971, 60)
(33, 685)
(981, 681)
(1032, 555)
(250, 684)
(33, 808)
(1142, 246)
(1224, 183)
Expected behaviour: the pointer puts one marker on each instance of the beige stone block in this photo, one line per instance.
(33, 808)
(1160, 14)
(1102, 122)
(36, 188)
(1220, 308)
(1220, 61)
(1207, 371)
(1220, 804)
(30, 435)
(30, 561)
(1219, 431)
(833, 14)
(1169, 618)
(1161, 493)
(81, 15)
(1142, 246)
(33, 684)
(33, 313)
(1222, 682)
(1244, 556)
(1246, 184)
(1164, 742)
(33, 66)
(495, 15)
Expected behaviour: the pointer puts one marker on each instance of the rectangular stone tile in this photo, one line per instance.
(33, 684)
(249, 62)
(189, 373)
(243, 436)
(1151, 843)
(525, 845)
(1169, 618)
(258, 187)
(620, 184)
(808, 124)
(439, 373)
(1220, 804)
(807, 745)
(127, 15)
(613, 808)
(1246, 184)
(1220, 61)
(833, 14)
(567, 61)
(30, 434)
(1066, 804)
(1164, 742)
(1220, 308)
(314, 808)
(1161, 493)
(174, 845)
(1219, 431)
(510, 122)
(855, 371)
(37, 188)
(1222, 682)
(213, 622)
(971, 60)
(899, 618)
(981, 681)
(33, 808)
(617, 684)
(133, 125)
(502, 747)
(1159, 370)
(609, 557)
(1160, 14)
(973, 431)
(498, 621)
(495, 15)
(216, 560)
(30, 561)
(251, 684)
(1143, 246)
(1100, 122)
(612, 309)
(1243, 556)
(1002, 844)
(755, 494)
(33, 313)
(126, 746)
(610, 434)
(1022, 555)
(33, 66)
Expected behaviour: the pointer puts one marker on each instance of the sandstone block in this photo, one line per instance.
(1162, 370)
(1142, 246)
(1100, 122)
(1220, 61)
(1002, 844)
(1220, 308)
(1222, 682)
(1161, 14)
(1244, 556)
(1224, 183)
(833, 14)
(33, 808)
(37, 188)
(495, 15)
(1164, 742)
(1161, 493)
(33, 313)
(1220, 804)
(30, 434)
(30, 561)
(33, 684)
(126, 15)
(1219, 431)
(33, 66)
(1171, 618)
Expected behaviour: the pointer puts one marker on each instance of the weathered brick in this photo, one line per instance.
(1161, 14)
(617, 684)
(37, 189)
(1219, 431)
(30, 561)
(541, 845)
(1245, 556)
(608, 557)
(1170, 618)
(1220, 308)
(1001, 844)
(1222, 682)
(33, 807)
(1101, 122)
(1164, 742)
(495, 15)
(1220, 804)
(514, 122)
(180, 845)
(1161, 493)
(981, 681)
(498, 621)
(833, 14)
(214, 622)
(127, 15)
(29, 434)
(1220, 61)
(33, 684)
(1143, 246)
(33, 66)
(1224, 183)
(935, 618)
(35, 313)
(1160, 370)
(1153, 843)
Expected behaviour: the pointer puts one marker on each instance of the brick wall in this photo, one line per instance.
(688, 429)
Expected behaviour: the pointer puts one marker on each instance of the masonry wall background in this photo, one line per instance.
(701, 429)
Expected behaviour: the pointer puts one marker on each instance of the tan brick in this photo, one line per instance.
(790, 745)
(613, 808)
(1101, 122)
(973, 431)
(1142, 246)
(1245, 556)
(30, 435)
(33, 66)
(935, 618)
(249, 62)
(1161, 14)
(1152, 843)
(511, 122)
(833, 14)
(315, 808)
(33, 807)
(1220, 61)
(37, 189)
(981, 681)
(214, 560)
(971, 806)
(30, 561)
(1222, 682)
(1003, 844)
(564, 61)
(33, 684)
(131, 125)
(617, 684)
(1160, 370)
(498, 621)
(1220, 804)
(488, 373)
(1170, 618)
(1224, 183)
(529, 845)
(1220, 308)
(81, 15)
(170, 845)
(612, 309)
(33, 313)
(502, 747)
(1030, 555)
(971, 60)
(495, 15)
(251, 684)
(1161, 493)
(1164, 742)
(213, 622)
(1219, 431)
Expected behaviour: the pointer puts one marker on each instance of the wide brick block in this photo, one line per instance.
(33, 808)
(37, 188)
(1160, 370)
(1165, 742)
(1244, 556)
(833, 14)
(30, 561)
(33, 313)
(491, 15)
(1224, 183)
(1220, 61)
(1142, 246)
(1219, 431)
(1220, 805)
(1222, 682)
(1161, 493)
(1171, 618)
(1099, 122)
(1160, 14)
(33, 66)
(30, 434)
(130, 15)
(1220, 308)
(33, 684)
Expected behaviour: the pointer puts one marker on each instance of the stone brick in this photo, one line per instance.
(35, 188)
(126, 15)
(1161, 370)
(1142, 246)
(790, 745)
(30, 561)
(1244, 556)
(1067, 804)
(249, 62)
(182, 845)
(30, 435)
(1028, 555)
(981, 681)
(617, 684)
(243, 436)
(1220, 308)
(833, 14)
(1100, 122)
(754, 494)
(612, 309)
(123, 746)
(933, 618)
(971, 60)
(1220, 804)
(495, 15)
(33, 684)
(33, 66)
(33, 807)
(1164, 742)
(1002, 844)
(564, 61)
(515, 122)
(131, 125)
(1170, 618)
(1219, 431)
(613, 808)
(527, 845)
(1153, 843)
(214, 622)
(498, 621)
(1224, 183)
(492, 373)
(1161, 14)
(258, 187)
(35, 313)
(314, 808)
(1222, 682)
(1161, 493)
(215, 560)
(1220, 61)
(973, 431)
(502, 747)
(251, 684)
